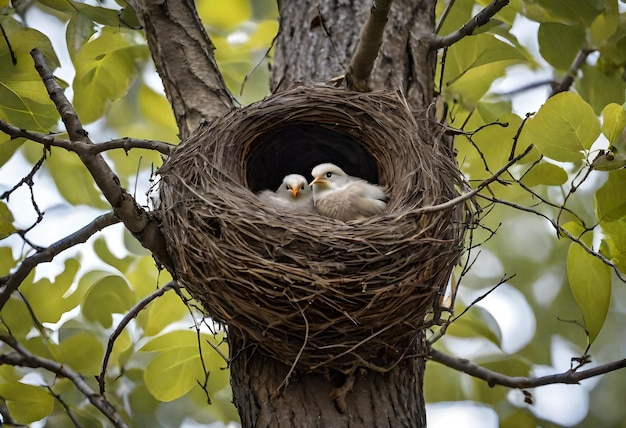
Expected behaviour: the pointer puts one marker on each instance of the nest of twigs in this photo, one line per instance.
(308, 290)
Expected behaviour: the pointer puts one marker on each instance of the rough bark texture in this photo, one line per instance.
(183, 54)
(318, 39)
(393, 399)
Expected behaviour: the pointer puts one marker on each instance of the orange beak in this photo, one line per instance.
(295, 191)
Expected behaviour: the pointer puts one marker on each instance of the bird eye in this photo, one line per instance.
(286, 186)
(329, 174)
(302, 187)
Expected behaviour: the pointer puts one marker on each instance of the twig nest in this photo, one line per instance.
(309, 290)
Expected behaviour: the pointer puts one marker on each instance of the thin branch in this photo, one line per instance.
(22, 357)
(481, 18)
(527, 87)
(563, 231)
(132, 313)
(565, 84)
(50, 140)
(370, 41)
(12, 282)
(135, 218)
(492, 378)
(468, 195)
(67, 409)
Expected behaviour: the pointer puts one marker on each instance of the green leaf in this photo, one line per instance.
(610, 199)
(545, 173)
(615, 239)
(473, 63)
(590, 283)
(79, 31)
(601, 87)
(162, 312)
(102, 250)
(559, 43)
(6, 221)
(8, 146)
(613, 122)
(177, 366)
(24, 101)
(108, 295)
(83, 352)
(104, 69)
(47, 299)
(73, 179)
(609, 161)
(564, 127)
(477, 322)
(27, 403)
(575, 12)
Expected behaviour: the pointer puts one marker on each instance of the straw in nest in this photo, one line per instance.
(310, 290)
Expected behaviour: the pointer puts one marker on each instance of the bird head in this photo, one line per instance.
(327, 176)
(296, 184)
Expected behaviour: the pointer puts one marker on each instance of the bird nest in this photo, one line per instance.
(311, 291)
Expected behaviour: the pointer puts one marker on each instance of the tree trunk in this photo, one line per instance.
(392, 399)
(315, 44)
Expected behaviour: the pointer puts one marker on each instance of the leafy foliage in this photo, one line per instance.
(159, 372)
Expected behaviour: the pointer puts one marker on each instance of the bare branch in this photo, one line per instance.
(135, 218)
(50, 140)
(492, 378)
(369, 45)
(470, 26)
(132, 313)
(22, 357)
(12, 282)
(183, 54)
(565, 84)
(468, 195)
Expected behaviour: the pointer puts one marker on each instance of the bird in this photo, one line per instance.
(294, 194)
(340, 196)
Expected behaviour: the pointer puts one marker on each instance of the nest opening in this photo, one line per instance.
(310, 291)
(296, 148)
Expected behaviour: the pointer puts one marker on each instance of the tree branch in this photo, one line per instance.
(12, 282)
(135, 218)
(132, 313)
(571, 376)
(579, 60)
(23, 358)
(470, 26)
(183, 55)
(369, 45)
(79, 147)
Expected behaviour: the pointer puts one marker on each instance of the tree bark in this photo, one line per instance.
(316, 41)
(392, 399)
(183, 55)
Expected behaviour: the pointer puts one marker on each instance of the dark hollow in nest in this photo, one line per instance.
(309, 290)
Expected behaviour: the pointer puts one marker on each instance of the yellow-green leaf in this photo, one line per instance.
(104, 69)
(559, 43)
(6, 221)
(613, 121)
(24, 101)
(83, 352)
(8, 146)
(163, 311)
(107, 296)
(590, 283)
(564, 127)
(610, 199)
(27, 403)
(73, 180)
(545, 173)
(477, 322)
(177, 366)
(615, 240)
